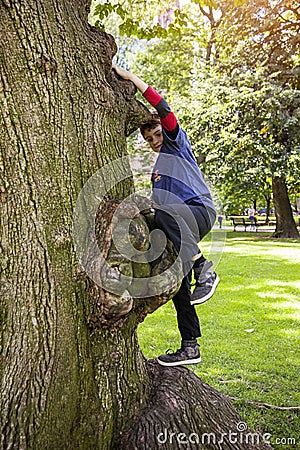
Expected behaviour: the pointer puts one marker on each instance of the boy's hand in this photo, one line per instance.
(126, 75)
(123, 73)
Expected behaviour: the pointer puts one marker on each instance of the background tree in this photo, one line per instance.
(263, 38)
(249, 135)
(264, 34)
(253, 115)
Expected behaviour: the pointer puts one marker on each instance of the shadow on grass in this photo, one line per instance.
(257, 236)
(250, 343)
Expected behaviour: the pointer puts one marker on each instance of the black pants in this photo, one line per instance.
(185, 225)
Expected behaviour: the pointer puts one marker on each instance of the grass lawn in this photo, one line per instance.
(250, 328)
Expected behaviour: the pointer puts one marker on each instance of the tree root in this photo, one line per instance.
(185, 413)
(265, 405)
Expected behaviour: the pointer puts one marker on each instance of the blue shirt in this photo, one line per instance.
(176, 176)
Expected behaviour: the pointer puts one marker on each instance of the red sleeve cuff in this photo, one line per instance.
(169, 123)
(152, 96)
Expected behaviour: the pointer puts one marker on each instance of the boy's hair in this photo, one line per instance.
(150, 124)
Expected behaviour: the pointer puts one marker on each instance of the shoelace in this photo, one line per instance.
(200, 283)
(171, 352)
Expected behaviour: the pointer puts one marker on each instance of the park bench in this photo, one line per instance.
(242, 221)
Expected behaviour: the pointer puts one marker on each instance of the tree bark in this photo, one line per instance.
(285, 223)
(72, 374)
(184, 412)
(268, 207)
(214, 24)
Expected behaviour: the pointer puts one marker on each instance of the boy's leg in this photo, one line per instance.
(187, 319)
(206, 282)
(180, 227)
(189, 327)
(206, 278)
(185, 226)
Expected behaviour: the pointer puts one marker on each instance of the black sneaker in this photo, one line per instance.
(187, 354)
(206, 282)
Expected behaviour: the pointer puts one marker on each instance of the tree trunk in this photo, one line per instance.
(62, 117)
(72, 374)
(285, 223)
(268, 208)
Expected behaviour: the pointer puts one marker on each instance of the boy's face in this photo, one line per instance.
(154, 138)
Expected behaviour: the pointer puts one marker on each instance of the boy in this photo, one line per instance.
(184, 211)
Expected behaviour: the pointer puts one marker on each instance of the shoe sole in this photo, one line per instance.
(207, 297)
(179, 363)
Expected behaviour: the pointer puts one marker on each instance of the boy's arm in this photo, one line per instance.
(167, 117)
